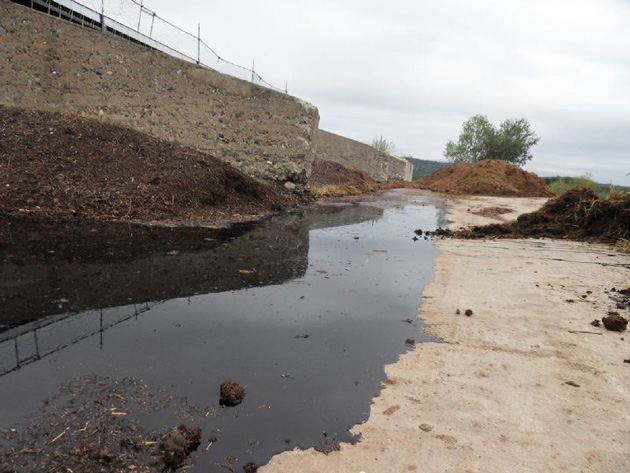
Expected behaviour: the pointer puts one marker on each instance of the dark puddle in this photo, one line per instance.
(303, 310)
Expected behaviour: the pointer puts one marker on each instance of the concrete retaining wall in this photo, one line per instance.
(51, 64)
(361, 157)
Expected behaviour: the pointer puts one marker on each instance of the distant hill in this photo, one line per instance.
(423, 167)
(560, 184)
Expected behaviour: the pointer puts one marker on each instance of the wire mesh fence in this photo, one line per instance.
(131, 20)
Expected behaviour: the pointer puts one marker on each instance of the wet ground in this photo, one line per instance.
(304, 310)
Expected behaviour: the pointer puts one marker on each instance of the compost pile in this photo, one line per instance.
(330, 179)
(58, 164)
(490, 177)
(578, 214)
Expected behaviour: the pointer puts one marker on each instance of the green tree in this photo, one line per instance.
(383, 145)
(480, 140)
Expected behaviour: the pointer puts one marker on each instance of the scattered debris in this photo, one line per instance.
(410, 341)
(78, 428)
(426, 427)
(232, 393)
(572, 383)
(409, 321)
(596, 323)
(304, 336)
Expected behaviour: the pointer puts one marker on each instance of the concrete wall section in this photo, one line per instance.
(51, 64)
(361, 157)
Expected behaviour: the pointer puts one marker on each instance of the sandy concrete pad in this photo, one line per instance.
(494, 397)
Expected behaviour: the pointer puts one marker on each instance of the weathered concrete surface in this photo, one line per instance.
(51, 64)
(355, 155)
(494, 397)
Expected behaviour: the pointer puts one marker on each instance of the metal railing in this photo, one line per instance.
(131, 20)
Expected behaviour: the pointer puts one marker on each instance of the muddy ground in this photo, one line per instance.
(525, 383)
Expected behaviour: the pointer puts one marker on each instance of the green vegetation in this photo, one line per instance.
(561, 184)
(481, 140)
(424, 167)
(383, 145)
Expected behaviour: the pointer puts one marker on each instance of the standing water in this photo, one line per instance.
(303, 310)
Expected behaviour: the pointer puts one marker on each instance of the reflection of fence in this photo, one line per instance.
(134, 22)
(31, 342)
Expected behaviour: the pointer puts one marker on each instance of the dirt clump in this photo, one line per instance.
(615, 322)
(468, 313)
(251, 467)
(578, 214)
(176, 445)
(330, 179)
(493, 212)
(232, 393)
(491, 177)
(65, 165)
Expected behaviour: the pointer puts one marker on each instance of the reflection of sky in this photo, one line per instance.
(351, 302)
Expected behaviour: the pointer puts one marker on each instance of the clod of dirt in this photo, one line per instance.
(409, 321)
(176, 445)
(572, 383)
(627, 361)
(596, 323)
(418, 232)
(329, 446)
(616, 323)
(304, 336)
(457, 312)
(232, 393)
(426, 427)
(410, 341)
(251, 467)
(468, 312)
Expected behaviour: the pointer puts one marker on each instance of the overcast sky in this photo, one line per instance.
(414, 71)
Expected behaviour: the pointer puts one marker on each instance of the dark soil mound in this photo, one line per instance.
(332, 179)
(488, 177)
(578, 214)
(51, 163)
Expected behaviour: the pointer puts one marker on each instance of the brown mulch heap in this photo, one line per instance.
(329, 179)
(578, 214)
(489, 177)
(59, 164)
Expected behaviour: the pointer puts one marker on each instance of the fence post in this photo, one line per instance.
(152, 21)
(103, 27)
(198, 43)
(286, 87)
(140, 15)
(253, 68)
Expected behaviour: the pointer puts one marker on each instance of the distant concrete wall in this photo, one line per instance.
(51, 64)
(361, 157)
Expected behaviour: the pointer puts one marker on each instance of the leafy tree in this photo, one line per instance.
(383, 145)
(481, 140)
